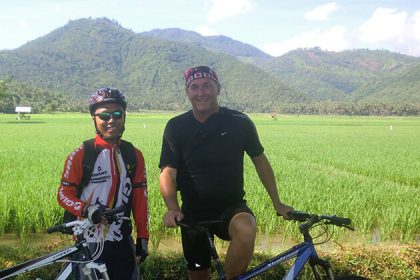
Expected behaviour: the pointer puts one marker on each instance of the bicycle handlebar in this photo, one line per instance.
(56, 228)
(111, 216)
(312, 219)
(197, 225)
(307, 220)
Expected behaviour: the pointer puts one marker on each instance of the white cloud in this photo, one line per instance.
(321, 13)
(385, 25)
(23, 24)
(396, 30)
(57, 8)
(410, 44)
(333, 39)
(224, 9)
(415, 26)
(11, 40)
(205, 31)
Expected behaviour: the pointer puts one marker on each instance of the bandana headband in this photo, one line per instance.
(199, 72)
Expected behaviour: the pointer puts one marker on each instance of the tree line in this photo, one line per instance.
(351, 108)
(14, 94)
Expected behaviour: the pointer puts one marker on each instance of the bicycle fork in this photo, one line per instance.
(89, 269)
(313, 262)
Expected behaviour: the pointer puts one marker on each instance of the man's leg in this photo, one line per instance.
(119, 258)
(197, 254)
(199, 274)
(242, 231)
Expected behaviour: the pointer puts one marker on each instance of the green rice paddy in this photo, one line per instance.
(364, 168)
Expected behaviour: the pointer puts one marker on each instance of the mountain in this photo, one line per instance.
(148, 67)
(87, 54)
(347, 75)
(404, 87)
(71, 59)
(223, 44)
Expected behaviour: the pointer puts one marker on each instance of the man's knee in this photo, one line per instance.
(243, 226)
(199, 274)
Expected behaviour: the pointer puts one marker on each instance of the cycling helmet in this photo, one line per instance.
(106, 95)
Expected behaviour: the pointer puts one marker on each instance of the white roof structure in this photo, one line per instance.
(22, 109)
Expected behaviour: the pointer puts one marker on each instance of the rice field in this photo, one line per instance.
(364, 168)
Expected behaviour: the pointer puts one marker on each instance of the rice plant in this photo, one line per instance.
(349, 166)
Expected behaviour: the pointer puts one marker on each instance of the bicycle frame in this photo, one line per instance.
(51, 259)
(37, 263)
(87, 264)
(303, 252)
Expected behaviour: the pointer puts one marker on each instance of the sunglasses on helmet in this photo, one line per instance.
(106, 116)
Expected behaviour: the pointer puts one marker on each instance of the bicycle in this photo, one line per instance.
(303, 252)
(80, 251)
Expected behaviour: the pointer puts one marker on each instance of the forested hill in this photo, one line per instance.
(219, 43)
(86, 54)
(357, 75)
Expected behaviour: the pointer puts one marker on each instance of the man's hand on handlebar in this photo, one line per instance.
(283, 209)
(171, 217)
(94, 214)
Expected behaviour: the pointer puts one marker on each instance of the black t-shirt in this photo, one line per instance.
(209, 157)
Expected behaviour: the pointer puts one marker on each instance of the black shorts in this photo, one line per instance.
(195, 245)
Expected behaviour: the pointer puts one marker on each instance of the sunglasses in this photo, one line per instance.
(106, 116)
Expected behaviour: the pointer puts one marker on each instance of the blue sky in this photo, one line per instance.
(274, 26)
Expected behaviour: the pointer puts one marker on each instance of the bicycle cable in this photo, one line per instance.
(324, 232)
(99, 246)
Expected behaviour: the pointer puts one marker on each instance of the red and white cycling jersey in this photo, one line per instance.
(109, 186)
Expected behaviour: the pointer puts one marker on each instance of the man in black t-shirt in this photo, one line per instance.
(202, 157)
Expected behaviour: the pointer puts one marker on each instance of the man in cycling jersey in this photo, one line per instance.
(109, 186)
(202, 157)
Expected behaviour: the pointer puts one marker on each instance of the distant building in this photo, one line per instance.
(23, 112)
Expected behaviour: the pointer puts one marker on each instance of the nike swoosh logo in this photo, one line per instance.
(224, 133)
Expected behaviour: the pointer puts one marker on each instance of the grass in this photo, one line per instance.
(365, 168)
(377, 262)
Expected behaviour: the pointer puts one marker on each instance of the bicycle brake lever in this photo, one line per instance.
(349, 227)
(339, 225)
(116, 217)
